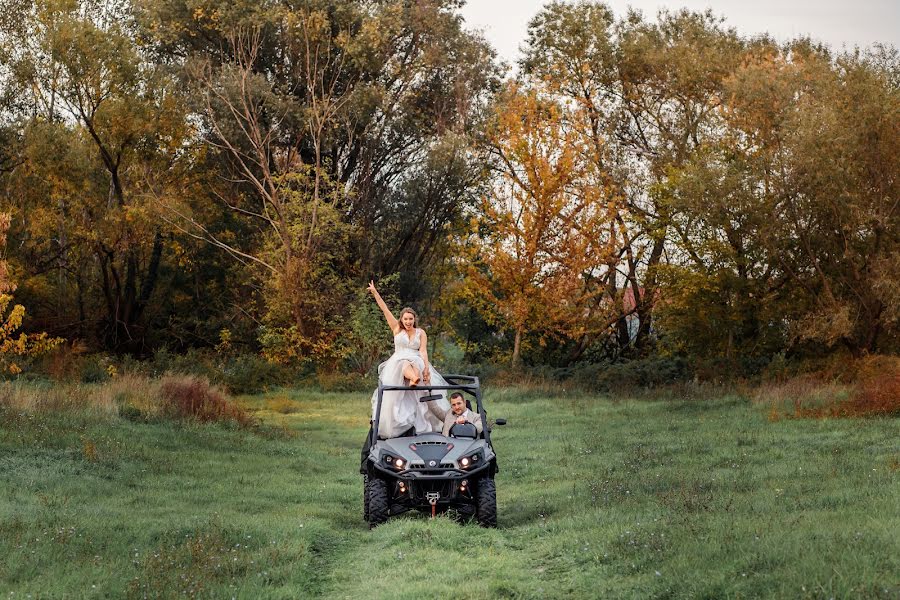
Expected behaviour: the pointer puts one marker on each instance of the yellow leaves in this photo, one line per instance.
(206, 16)
(543, 226)
(225, 345)
(23, 345)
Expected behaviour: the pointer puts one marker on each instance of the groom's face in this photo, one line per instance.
(457, 405)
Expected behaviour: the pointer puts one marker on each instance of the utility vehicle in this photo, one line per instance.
(431, 472)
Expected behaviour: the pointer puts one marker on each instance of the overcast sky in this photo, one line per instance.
(838, 23)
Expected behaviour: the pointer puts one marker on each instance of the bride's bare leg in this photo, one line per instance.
(411, 373)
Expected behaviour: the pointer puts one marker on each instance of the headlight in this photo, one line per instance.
(470, 461)
(394, 461)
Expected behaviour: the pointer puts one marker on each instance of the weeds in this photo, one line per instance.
(132, 397)
(193, 398)
(851, 388)
(190, 566)
(30, 397)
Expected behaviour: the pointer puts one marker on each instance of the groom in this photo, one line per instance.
(460, 414)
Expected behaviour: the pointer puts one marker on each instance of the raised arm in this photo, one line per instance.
(391, 320)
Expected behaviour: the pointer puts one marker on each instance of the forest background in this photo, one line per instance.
(207, 186)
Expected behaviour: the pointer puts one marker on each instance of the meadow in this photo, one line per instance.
(598, 498)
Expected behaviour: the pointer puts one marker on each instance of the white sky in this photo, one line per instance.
(838, 23)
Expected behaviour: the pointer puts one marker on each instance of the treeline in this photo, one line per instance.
(208, 174)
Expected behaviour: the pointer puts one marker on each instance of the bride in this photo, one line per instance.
(409, 366)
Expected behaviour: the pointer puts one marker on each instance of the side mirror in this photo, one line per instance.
(500, 421)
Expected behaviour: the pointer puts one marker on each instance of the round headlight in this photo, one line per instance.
(465, 461)
(398, 463)
(388, 459)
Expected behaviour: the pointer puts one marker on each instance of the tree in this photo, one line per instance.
(103, 132)
(642, 96)
(330, 121)
(24, 345)
(837, 236)
(540, 230)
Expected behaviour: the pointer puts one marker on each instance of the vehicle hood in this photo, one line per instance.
(430, 447)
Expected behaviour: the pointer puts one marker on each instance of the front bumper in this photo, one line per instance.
(416, 488)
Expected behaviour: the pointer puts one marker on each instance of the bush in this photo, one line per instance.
(239, 374)
(838, 387)
(626, 376)
(251, 374)
(95, 368)
(335, 381)
(193, 398)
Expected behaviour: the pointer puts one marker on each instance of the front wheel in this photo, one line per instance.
(377, 503)
(486, 507)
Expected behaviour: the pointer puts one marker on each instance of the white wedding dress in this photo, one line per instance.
(401, 409)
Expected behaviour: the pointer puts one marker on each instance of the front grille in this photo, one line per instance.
(423, 487)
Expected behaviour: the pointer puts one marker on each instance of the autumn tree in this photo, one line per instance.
(542, 227)
(101, 128)
(835, 227)
(12, 348)
(342, 131)
(643, 97)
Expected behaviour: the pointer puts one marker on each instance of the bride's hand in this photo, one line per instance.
(371, 287)
(426, 375)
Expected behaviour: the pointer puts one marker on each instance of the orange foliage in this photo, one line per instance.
(865, 387)
(542, 229)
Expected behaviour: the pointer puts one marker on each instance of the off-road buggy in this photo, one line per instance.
(431, 472)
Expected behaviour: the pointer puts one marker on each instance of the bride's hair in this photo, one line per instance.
(413, 313)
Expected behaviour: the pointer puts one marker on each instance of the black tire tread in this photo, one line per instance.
(486, 503)
(379, 506)
(366, 498)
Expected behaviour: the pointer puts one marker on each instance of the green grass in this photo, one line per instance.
(597, 499)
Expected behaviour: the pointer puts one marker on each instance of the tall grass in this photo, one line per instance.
(135, 397)
(842, 388)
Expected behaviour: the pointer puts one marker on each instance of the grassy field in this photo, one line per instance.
(597, 499)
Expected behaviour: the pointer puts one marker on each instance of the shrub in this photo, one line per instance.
(839, 387)
(239, 374)
(627, 376)
(95, 368)
(336, 381)
(875, 396)
(284, 406)
(251, 374)
(193, 398)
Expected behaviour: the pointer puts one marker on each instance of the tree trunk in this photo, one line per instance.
(517, 346)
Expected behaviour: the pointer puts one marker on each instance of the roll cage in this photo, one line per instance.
(467, 384)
